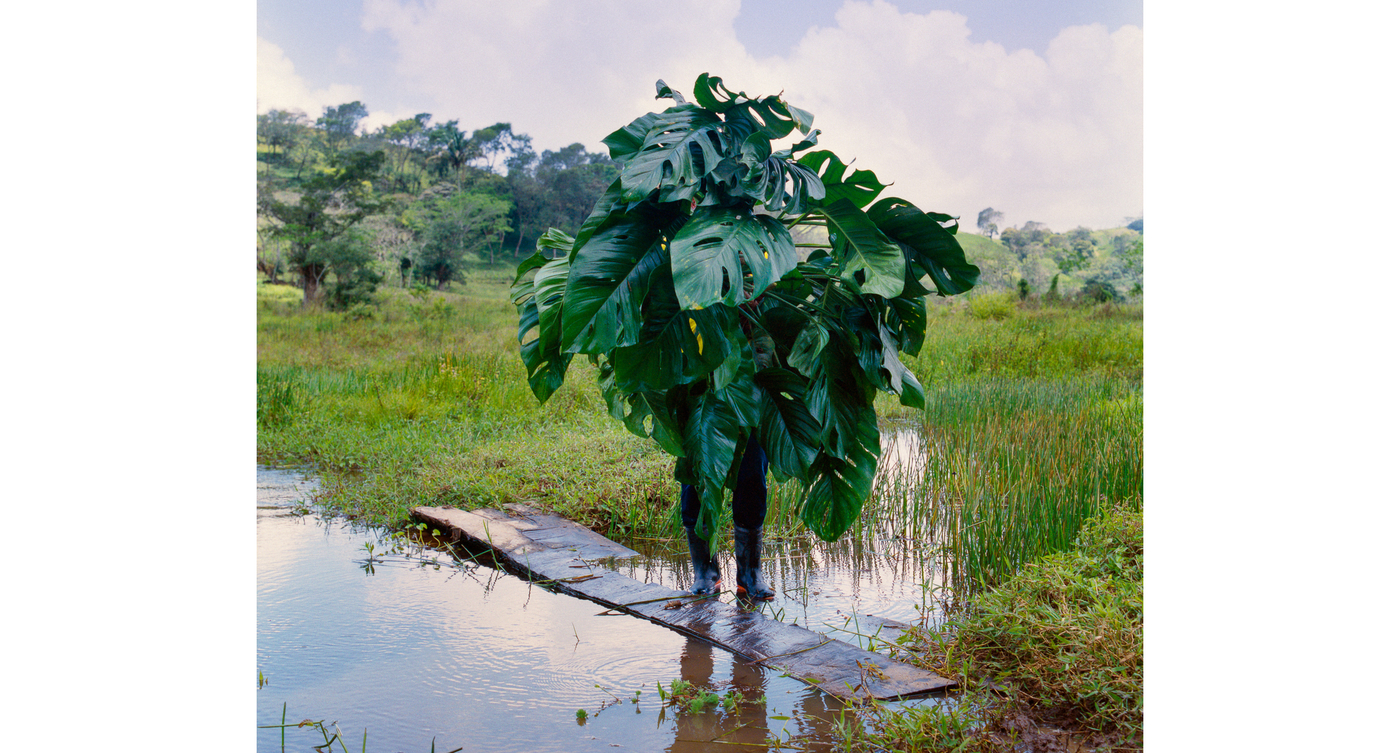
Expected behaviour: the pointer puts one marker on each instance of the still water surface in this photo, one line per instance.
(452, 656)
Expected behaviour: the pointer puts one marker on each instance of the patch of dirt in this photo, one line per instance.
(1022, 732)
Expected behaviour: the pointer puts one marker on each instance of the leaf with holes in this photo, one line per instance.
(681, 146)
(786, 429)
(929, 245)
(729, 255)
(862, 249)
(685, 287)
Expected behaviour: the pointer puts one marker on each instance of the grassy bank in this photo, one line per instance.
(424, 402)
(1050, 661)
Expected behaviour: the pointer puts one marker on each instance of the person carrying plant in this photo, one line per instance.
(748, 504)
(716, 337)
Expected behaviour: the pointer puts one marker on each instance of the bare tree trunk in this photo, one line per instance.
(311, 275)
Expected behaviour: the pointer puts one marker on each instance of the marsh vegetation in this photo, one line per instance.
(1033, 428)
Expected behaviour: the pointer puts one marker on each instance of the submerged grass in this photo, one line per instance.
(330, 735)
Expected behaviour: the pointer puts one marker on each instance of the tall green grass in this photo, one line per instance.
(1017, 482)
(1033, 343)
(995, 473)
(426, 403)
(1033, 423)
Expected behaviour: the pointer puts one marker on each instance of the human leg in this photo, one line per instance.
(703, 563)
(750, 510)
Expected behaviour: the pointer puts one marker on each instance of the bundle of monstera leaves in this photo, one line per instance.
(691, 248)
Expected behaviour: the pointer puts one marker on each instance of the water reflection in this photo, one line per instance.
(864, 588)
(424, 653)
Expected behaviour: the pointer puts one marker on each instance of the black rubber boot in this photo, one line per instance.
(703, 564)
(748, 552)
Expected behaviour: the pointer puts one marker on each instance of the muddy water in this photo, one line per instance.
(422, 655)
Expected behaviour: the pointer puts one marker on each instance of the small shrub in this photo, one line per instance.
(994, 306)
(1099, 290)
(360, 311)
(353, 288)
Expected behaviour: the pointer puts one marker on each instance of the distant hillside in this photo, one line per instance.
(1112, 257)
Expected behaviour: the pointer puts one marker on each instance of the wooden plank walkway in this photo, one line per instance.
(573, 559)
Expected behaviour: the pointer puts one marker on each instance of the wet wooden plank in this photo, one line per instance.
(574, 559)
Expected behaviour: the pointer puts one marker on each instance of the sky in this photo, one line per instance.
(1034, 109)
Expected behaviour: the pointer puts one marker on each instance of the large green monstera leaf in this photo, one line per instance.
(685, 287)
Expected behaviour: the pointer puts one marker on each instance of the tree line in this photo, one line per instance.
(1106, 265)
(341, 207)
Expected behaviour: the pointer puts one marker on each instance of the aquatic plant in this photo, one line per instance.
(330, 735)
(688, 265)
(687, 696)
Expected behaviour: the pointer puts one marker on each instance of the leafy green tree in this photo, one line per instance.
(690, 250)
(406, 138)
(1132, 259)
(330, 204)
(1099, 289)
(349, 259)
(556, 189)
(461, 224)
(987, 220)
(340, 123)
(529, 206)
(1014, 240)
(279, 130)
(499, 143)
(450, 150)
(574, 178)
(1073, 251)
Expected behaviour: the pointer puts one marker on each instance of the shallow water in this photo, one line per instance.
(849, 589)
(475, 658)
(419, 655)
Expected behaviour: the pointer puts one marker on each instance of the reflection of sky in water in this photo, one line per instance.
(476, 658)
(848, 588)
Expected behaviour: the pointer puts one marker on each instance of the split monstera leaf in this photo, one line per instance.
(691, 249)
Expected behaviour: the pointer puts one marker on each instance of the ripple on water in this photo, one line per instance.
(465, 655)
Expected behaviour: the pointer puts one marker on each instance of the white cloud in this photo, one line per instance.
(957, 126)
(560, 71)
(280, 88)
(960, 126)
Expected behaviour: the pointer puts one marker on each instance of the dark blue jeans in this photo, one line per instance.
(750, 503)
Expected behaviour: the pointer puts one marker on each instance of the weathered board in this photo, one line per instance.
(573, 559)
